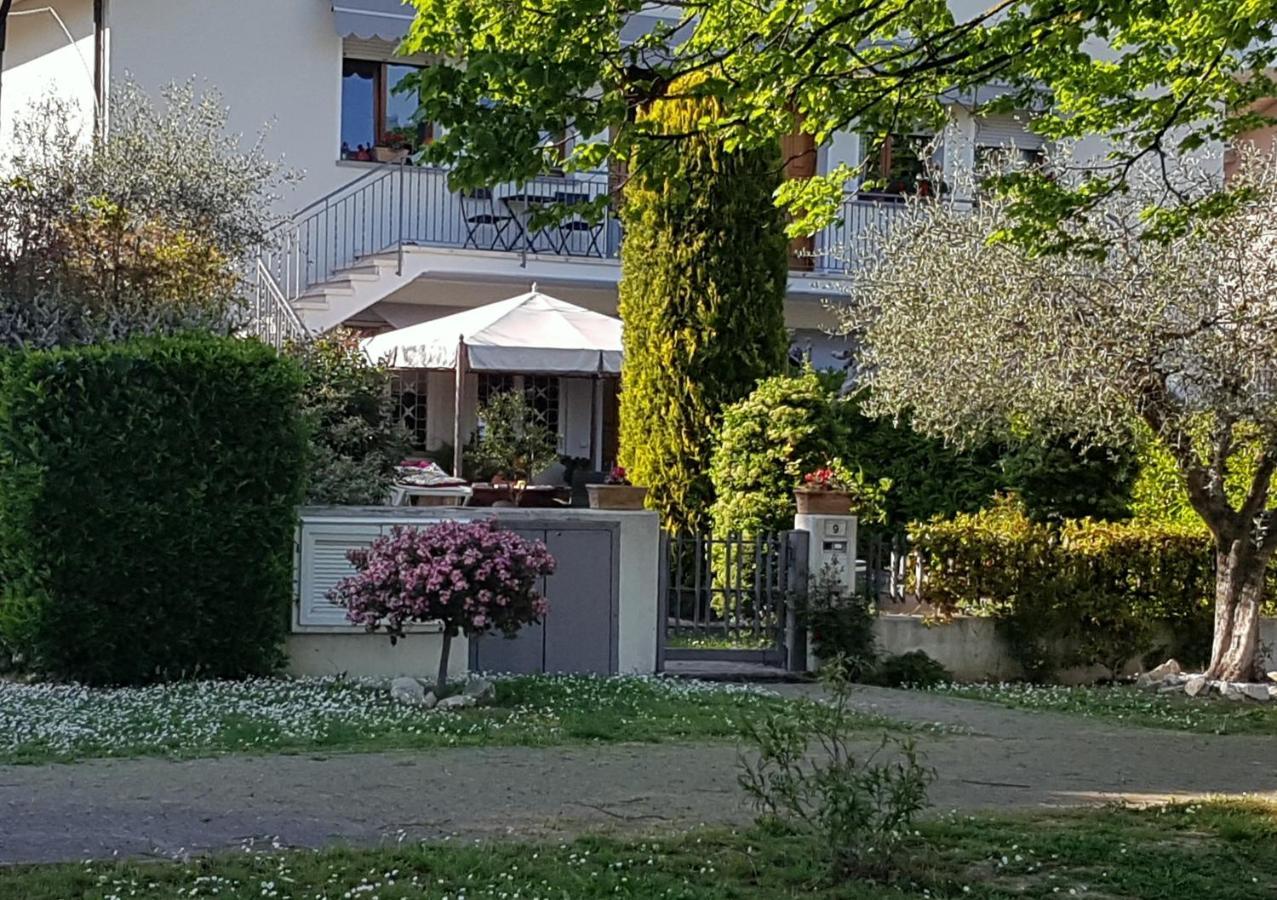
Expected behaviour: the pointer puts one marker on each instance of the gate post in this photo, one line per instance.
(831, 551)
(797, 574)
(662, 600)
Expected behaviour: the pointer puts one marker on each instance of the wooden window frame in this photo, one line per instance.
(381, 97)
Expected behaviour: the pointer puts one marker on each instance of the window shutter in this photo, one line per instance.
(798, 153)
(1006, 130)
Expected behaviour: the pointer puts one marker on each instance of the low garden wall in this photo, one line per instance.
(971, 649)
(603, 596)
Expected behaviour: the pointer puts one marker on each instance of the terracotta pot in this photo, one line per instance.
(616, 496)
(822, 503)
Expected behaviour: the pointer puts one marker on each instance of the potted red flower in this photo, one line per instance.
(616, 492)
(824, 491)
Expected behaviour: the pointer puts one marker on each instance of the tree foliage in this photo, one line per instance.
(705, 266)
(355, 441)
(1157, 72)
(137, 232)
(972, 336)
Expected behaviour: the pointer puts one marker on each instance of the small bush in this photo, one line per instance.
(513, 441)
(860, 812)
(841, 626)
(1079, 592)
(473, 577)
(913, 669)
(147, 508)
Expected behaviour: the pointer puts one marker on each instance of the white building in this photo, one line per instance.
(380, 245)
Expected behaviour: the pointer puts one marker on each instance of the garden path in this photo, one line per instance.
(1003, 758)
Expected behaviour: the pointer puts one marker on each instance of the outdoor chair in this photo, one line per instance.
(574, 224)
(479, 212)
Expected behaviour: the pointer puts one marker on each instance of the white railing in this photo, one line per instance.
(272, 317)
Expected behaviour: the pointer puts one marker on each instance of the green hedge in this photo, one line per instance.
(147, 496)
(1081, 592)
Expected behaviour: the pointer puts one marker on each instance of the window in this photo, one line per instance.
(901, 166)
(408, 395)
(377, 112)
(542, 392)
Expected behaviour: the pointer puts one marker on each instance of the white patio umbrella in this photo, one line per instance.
(532, 333)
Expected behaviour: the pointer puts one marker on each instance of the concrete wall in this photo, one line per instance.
(972, 651)
(332, 649)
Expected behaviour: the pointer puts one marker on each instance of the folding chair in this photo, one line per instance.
(479, 211)
(575, 224)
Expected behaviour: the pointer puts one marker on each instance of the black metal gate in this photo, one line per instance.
(735, 598)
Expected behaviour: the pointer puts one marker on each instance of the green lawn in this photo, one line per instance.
(1225, 851)
(51, 723)
(1131, 706)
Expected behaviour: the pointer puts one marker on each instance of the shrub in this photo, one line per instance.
(841, 626)
(705, 265)
(786, 427)
(860, 812)
(355, 442)
(1079, 592)
(147, 508)
(912, 669)
(472, 577)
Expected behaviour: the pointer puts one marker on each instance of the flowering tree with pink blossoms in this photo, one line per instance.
(472, 577)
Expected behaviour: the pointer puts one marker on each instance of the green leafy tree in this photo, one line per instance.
(505, 77)
(705, 266)
(1174, 337)
(514, 440)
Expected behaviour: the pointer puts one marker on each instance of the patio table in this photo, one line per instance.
(525, 204)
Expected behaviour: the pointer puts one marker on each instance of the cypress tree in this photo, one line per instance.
(705, 268)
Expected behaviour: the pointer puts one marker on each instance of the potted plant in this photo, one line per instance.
(616, 492)
(834, 490)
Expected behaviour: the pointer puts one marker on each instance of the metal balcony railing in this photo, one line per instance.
(396, 206)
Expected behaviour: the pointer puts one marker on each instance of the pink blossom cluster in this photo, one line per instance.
(475, 577)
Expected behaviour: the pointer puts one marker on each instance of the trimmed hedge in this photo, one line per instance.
(1100, 589)
(147, 508)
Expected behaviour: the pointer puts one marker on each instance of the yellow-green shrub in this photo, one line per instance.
(1079, 593)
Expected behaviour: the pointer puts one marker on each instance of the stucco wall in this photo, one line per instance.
(40, 61)
(276, 63)
(972, 651)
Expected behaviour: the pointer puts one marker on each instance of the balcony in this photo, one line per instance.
(392, 207)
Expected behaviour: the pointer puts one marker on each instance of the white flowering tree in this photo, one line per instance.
(974, 335)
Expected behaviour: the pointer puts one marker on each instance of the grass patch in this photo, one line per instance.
(711, 641)
(57, 723)
(1130, 706)
(1224, 851)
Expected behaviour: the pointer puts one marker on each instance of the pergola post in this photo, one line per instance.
(458, 407)
(596, 422)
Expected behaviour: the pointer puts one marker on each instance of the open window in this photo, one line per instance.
(378, 112)
(902, 165)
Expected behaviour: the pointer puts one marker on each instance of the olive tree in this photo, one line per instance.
(974, 335)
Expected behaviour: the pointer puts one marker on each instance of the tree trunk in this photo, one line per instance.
(1239, 594)
(441, 683)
